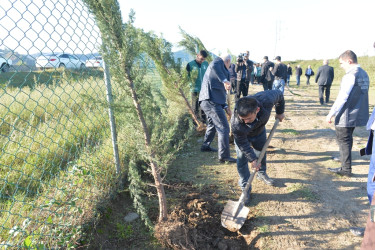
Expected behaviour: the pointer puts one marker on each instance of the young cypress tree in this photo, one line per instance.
(174, 78)
(122, 48)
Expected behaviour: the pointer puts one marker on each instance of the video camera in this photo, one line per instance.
(241, 56)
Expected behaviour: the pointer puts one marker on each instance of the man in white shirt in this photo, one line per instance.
(350, 108)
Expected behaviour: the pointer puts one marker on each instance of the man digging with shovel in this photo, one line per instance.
(250, 117)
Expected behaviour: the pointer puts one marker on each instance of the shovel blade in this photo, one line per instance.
(231, 219)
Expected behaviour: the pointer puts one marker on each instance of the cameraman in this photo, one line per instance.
(244, 67)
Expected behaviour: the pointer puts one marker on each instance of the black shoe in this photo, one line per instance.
(340, 171)
(228, 159)
(334, 158)
(208, 149)
(357, 231)
(264, 177)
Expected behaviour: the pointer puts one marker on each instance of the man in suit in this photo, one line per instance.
(350, 108)
(213, 98)
(298, 74)
(289, 73)
(266, 75)
(324, 78)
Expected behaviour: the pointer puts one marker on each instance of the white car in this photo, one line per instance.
(5, 64)
(96, 62)
(62, 60)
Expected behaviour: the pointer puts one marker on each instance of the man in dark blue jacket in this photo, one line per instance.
(350, 109)
(266, 76)
(250, 117)
(213, 98)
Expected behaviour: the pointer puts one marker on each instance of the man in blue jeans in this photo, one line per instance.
(280, 73)
(250, 117)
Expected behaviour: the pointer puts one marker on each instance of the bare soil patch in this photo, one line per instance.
(194, 224)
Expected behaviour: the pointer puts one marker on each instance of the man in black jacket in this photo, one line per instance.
(250, 117)
(298, 74)
(266, 76)
(289, 73)
(280, 74)
(324, 78)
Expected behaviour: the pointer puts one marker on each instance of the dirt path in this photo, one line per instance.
(309, 208)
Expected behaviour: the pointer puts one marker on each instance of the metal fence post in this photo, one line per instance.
(107, 79)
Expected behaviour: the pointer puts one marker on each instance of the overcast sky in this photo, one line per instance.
(293, 29)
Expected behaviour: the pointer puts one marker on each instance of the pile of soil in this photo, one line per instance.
(195, 224)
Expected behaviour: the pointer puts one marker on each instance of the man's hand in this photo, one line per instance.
(329, 118)
(255, 165)
(280, 117)
(227, 85)
(229, 112)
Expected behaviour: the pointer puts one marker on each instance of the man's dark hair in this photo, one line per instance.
(246, 105)
(203, 53)
(349, 55)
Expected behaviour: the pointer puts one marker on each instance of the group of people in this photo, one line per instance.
(251, 113)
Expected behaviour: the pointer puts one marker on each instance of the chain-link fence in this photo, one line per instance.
(57, 140)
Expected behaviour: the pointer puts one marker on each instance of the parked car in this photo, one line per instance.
(96, 62)
(61, 60)
(5, 64)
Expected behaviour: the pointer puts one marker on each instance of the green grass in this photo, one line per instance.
(302, 191)
(32, 79)
(56, 163)
(289, 131)
(56, 150)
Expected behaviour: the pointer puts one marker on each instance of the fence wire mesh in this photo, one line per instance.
(56, 158)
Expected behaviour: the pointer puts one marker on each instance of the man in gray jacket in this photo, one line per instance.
(250, 117)
(324, 78)
(350, 108)
(212, 99)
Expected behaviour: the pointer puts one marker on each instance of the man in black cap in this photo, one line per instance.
(280, 73)
(266, 77)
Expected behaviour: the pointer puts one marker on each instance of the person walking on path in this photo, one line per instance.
(351, 108)
(298, 74)
(266, 75)
(200, 66)
(324, 78)
(308, 73)
(249, 119)
(289, 74)
(280, 74)
(213, 98)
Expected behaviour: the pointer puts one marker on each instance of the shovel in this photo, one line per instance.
(235, 213)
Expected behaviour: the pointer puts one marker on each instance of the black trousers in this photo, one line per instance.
(308, 80)
(267, 85)
(233, 83)
(242, 88)
(196, 108)
(327, 89)
(344, 136)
